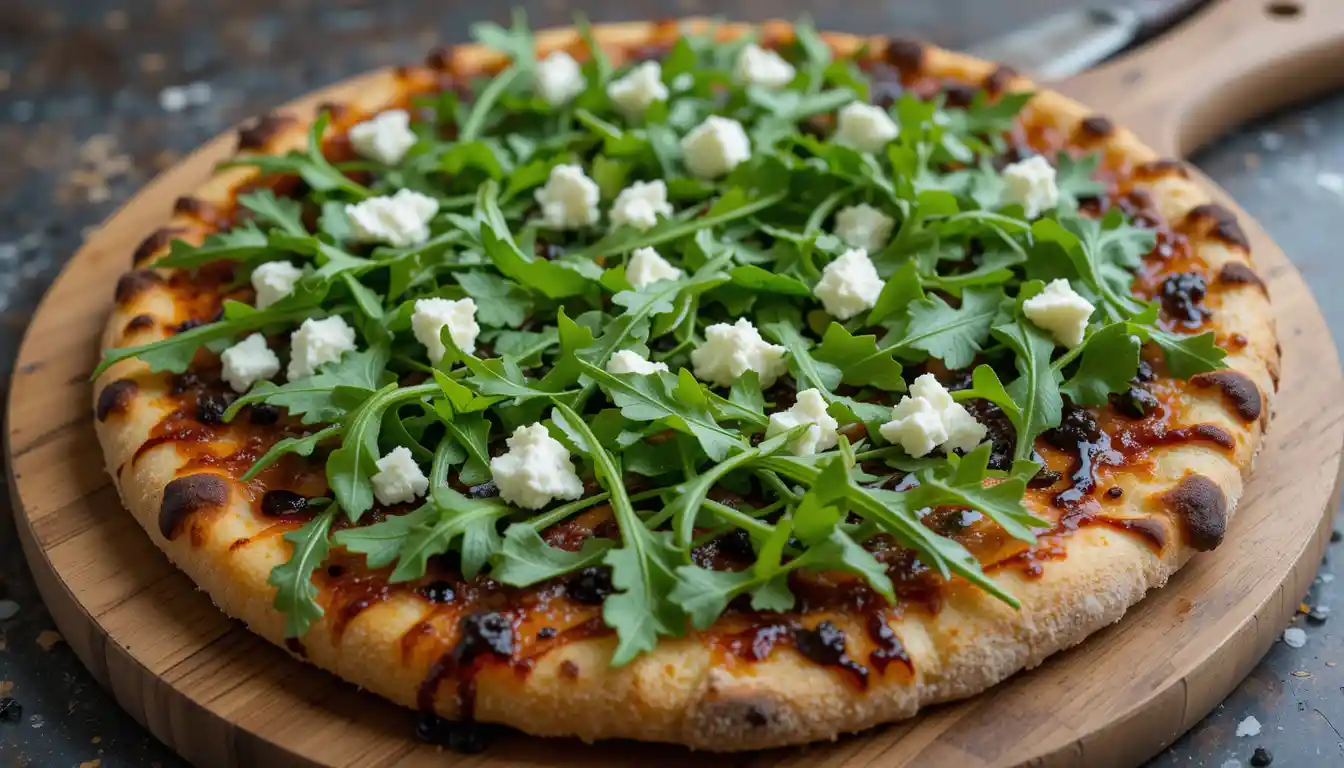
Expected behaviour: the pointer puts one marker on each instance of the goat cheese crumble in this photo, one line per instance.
(928, 418)
(400, 220)
(1060, 311)
(640, 88)
(386, 137)
(398, 479)
(810, 409)
(630, 361)
(863, 226)
(640, 204)
(559, 79)
(864, 127)
(849, 285)
(431, 316)
(273, 281)
(715, 147)
(1031, 184)
(535, 470)
(766, 68)
(730, 351)
(647, 266)
(569, 198)
(316, 343)
(248, 362)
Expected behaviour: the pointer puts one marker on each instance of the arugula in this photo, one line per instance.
(295, 594)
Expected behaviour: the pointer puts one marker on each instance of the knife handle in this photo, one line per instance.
(1233, 61)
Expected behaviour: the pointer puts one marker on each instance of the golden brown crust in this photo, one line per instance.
(682, 692)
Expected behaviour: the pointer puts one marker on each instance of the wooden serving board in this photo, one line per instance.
(223, 697)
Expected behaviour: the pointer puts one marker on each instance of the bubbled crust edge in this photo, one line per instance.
(676, 693)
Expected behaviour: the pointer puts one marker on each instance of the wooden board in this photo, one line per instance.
(222, 697)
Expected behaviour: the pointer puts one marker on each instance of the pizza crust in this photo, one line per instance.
(681, 692)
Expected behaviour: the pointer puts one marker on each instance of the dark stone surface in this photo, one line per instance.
(83, 84)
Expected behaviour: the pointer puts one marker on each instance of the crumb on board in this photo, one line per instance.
(48, 638)
(1294, 637)
(1248, 727)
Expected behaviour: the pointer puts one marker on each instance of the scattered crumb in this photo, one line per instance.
(1271, 141)
(6, 687)
(1330, 182)
(152, 62)
(97, 739)
(173, 99)
(1301, 673)
(1294, 637)
(1248, 727)
(1331, 664)
(1303, 608)
(1326, 578)
(94, 763)
(8, 609)
(48, 638)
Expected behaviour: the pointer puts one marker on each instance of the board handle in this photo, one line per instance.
(1233, 61)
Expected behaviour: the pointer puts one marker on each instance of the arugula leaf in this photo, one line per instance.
(295, 595)
(1105, 254)
(315, 398)
(1189, 355)
(554, 280)
(1036, 390)
(954, 336)
(350, 466)
(243, 243)
(642, 568)
(690, 495)
(499, 302)
(527, 559)
(861, 362)
(303, 446)
(964, 486)
(806, 369)
(733, 205)
(1110, 358)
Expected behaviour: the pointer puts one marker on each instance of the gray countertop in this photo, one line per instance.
(97, 96)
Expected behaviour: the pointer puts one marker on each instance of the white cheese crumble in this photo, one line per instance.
(641, 86)
(1060, 311)
(386, 137)
(864, 127)
(810, 409)
(730, 351)
(316, 343)
(400, 220)
(1293, 637)
(683, 82)
(928, 418)
(630, 361)
(248, 362)
(559, 79)
(432, 315)
(647, 266)
(863, 226)
(1031, 184)
(1248, 727)
(759, 66)
(640, 204)
(715, 147)
(273, 281)
(569, 198)
(398, 479)
(535, 470)
(849, 285)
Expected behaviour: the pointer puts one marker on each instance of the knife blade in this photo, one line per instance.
(1070, 42)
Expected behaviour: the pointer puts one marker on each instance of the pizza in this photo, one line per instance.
(701, 383)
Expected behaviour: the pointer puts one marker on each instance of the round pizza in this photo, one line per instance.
(703, 383)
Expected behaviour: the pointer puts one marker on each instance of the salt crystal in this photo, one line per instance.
(198, 93)
(1248, 727)
(1326, 578)
(1294, 637)
(8, 609)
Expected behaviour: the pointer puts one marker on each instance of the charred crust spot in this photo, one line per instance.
(1221, 223)
(140, 322)
(1201, 509)
(996, 82)
(1239, 273)
(158, 239)
(135, 282)
(188, 495)
(1096, 127)
(440, 59)
(258, 132)
(196, 208)
(116, 398)
(959, 95)
(1213, 434)
(569, 670)
(1240, 393)
(1165, 166)
(906, 55)
(402, 72)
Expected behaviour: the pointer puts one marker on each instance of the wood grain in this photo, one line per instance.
(222, 697)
